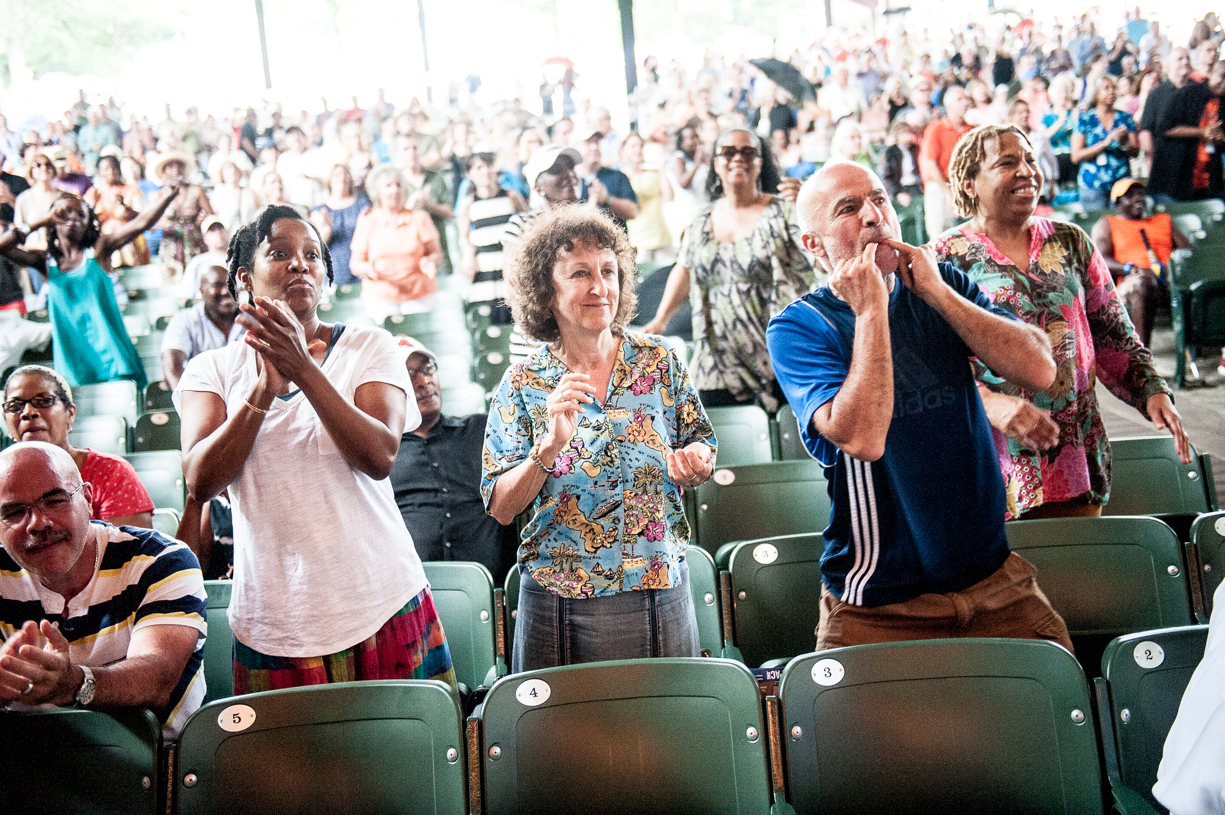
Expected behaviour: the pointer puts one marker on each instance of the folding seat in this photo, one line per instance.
(105, 434)
(387, 746)
(347, 291)
(633, 736)
(161, 472)
(1148, 479)
(957, 725)
(464, 597)
(219, 646)
(159, 430)
(743, 433)
(773, 597)
(166, 521)
(158, 396)
(139, 279)
(116, 398)
(1144, 676)
(345, 311)
(1208, 537)
(757, 501)
(1107, 576)
(465, 399)
(67, 761)
(790, 447)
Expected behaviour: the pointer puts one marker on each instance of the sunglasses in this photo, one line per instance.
(748, 154)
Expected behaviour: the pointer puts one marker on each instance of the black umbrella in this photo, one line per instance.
(787, 77)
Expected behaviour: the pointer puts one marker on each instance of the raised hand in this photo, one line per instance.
(689, 466)
(276, 333)
(565, 405)
(916, 266)
(859, 282)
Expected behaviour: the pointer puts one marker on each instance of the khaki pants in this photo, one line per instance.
(1006, 604)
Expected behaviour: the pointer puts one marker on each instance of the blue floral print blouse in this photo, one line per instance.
(609, 520)
(1101, 173)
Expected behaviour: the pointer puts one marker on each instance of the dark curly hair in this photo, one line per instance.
(529, 273)
(767, 180)
(248, 236)
(93, 227)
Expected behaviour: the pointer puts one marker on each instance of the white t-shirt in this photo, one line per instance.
(322, 558)
(193, 333)
(1191, 778)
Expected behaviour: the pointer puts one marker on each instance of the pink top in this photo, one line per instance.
(395, 243)
(117, 488)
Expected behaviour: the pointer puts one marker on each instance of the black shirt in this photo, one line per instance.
(437, 483)
(1174, 159)
(17, 185)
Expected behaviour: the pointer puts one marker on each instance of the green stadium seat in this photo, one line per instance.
(1148, 479)
(390, 746)
(105, 434)
(161, 471)
(158, 396)
(1191, 225)
(1107, 576)
(743, 433)
(149, 344)
(758, 501)
(790, 445)
(465, 399)
(166, 521)
(150, 309)
(345, 311)
(1208, 536)
(140, 279)
(1206, 210)
(162, 322)
(219, 645)
(1144, 676)
(704, 586)
(137, 326)
(489, 367)
(158, 430)
(117, 398)
(651, 735)
(510, 590)
(347, 291)
(67, 761)
(463, 596)
(492, 338)
(911, 220)
(957, 725)
(440, 321)
(776, 596)
(1197, 301)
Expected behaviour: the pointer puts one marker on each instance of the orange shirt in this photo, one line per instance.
(939, 139)
(1129, 246)
(395, 243)
(1199, 174)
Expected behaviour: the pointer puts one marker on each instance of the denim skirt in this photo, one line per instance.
(552, 631)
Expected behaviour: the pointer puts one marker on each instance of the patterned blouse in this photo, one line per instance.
(609, 520)
(736, 289)
(1067, 290)
(1112, 164)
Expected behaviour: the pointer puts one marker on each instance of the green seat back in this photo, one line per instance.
(389, 746)
(116, 398)
(791, 446)
(67, 761)
(1148, 479)
(219, 645)
(758, 501)
(1146, 675)
(463, 400)
(345, 311)
(492, 338)
(652, 735)
(911, 221)
(776, 589)
(438, 321)
(161, 471)
(347, 291)
(158, 396)
(704, 586)
(463, 596)
(150, 277)
(159, 430)
(166, 521)
(510, 588)
(1204, 209)
(489, 366)
(1208, 534)
(743, 433)
(148, 344)
(1107, 576)
(105, 434)
(958, 725)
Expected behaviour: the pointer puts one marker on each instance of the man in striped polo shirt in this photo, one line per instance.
(91, 614)
(876, 366)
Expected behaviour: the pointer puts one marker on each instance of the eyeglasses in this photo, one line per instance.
(428, 369)
(748, 154)
(42, 402)
(12, 515)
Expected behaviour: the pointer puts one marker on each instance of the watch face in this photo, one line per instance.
(85, 694)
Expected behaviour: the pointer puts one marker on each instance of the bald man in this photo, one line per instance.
(876, 366)
(91, 614)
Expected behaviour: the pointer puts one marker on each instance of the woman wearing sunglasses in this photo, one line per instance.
(38, 406)
(742, 260)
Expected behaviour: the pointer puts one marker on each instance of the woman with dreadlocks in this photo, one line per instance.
(89, 338)
(302, 421)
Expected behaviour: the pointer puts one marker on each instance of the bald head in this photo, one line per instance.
(18, 460)
(842, 208)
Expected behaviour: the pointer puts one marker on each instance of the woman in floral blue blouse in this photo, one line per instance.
(1103, 144)
(597, 432)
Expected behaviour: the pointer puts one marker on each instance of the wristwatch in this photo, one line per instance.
(85, 693)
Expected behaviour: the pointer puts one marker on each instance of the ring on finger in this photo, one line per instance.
(29, 687)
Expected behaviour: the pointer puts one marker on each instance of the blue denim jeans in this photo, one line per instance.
(552, 631)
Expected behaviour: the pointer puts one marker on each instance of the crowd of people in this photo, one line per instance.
(775, 204)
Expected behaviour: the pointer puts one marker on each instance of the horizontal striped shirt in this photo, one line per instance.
(143, 578)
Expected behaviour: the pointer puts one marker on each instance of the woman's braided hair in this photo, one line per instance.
(968, 159)
(241, 254)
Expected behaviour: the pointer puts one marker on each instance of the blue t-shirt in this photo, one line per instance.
(618, 185)
(929, 515)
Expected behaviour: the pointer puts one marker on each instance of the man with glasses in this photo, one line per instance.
(437, 476)
(92, 615)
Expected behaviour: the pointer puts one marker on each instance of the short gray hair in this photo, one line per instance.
(376, 178)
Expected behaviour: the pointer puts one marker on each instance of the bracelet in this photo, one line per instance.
(1128, 268)
(260, 411)
(534, 455)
